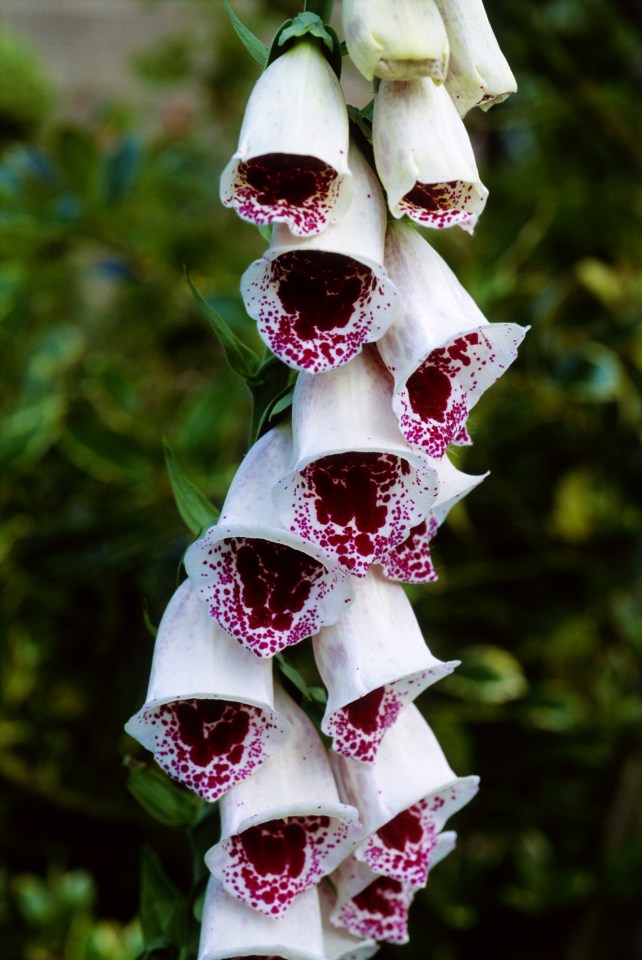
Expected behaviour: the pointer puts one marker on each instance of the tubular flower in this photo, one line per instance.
(396, 39)
(263, 584)
(374, 662)
(209, 718)
(356, 489)
(442, 352)
(404, 799)
(410, 561)
(291, 165)
(369, 905)
(424, 156)
(285, 828)
(338, 943)
(478, 74)
(318, 300)
(231, 929)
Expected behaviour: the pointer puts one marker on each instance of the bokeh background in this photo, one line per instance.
(116, 119)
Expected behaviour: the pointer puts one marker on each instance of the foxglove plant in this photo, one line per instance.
(323, 517)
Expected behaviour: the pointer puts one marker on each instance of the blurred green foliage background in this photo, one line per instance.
(104, 352)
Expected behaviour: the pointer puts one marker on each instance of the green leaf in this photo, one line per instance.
(196, 510)
(255, 47)
(162, 799)
(240, 357)
(151, 628)
(159, 901)
(271, 389)
(314, 694)
(120, 172)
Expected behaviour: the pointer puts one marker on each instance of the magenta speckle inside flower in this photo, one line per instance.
(410, 561)
(439, 204)
(380, 912)
(358, 728)
(316, 309)
(265, 594)
(403, 847)
(357, 505)
(437, 397)
(269, 865)
(300, 191)
(209, 745)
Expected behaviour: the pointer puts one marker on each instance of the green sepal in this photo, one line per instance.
(255, 47)
(160, 797)
(151, 628)
(310, 26)
(197, 512)
(240, 357)
(271, 389)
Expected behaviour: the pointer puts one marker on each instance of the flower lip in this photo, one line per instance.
(369, 905)
(291, 165)
(318, 300)
(338, 943)
(209, 716)
(284, 830)
(433, 180)
(263, 584)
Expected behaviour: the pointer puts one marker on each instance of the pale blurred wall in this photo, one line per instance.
(87, 46)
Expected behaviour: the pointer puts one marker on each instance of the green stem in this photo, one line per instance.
(323, 8)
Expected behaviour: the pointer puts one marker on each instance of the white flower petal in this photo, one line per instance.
(424, 156)
(291, 165)
(356, 489)
(263, 584)
(374, 662)
(441, 351)
(286, 827)
(410, 561)
(478, 73)
(396, 39)
(404, 798)
(209, 716)
(317, 300)
(231, 929)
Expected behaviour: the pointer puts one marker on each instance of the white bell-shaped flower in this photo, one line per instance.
(286, 827)
(478, 73)
(317, 300)
(263, 584)
(231, 929)
(374, 662)
(209, 717)
(396, 39)
(404, 798)
(356, 488)
(442, 351)
(424, 156)
(291, 164)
